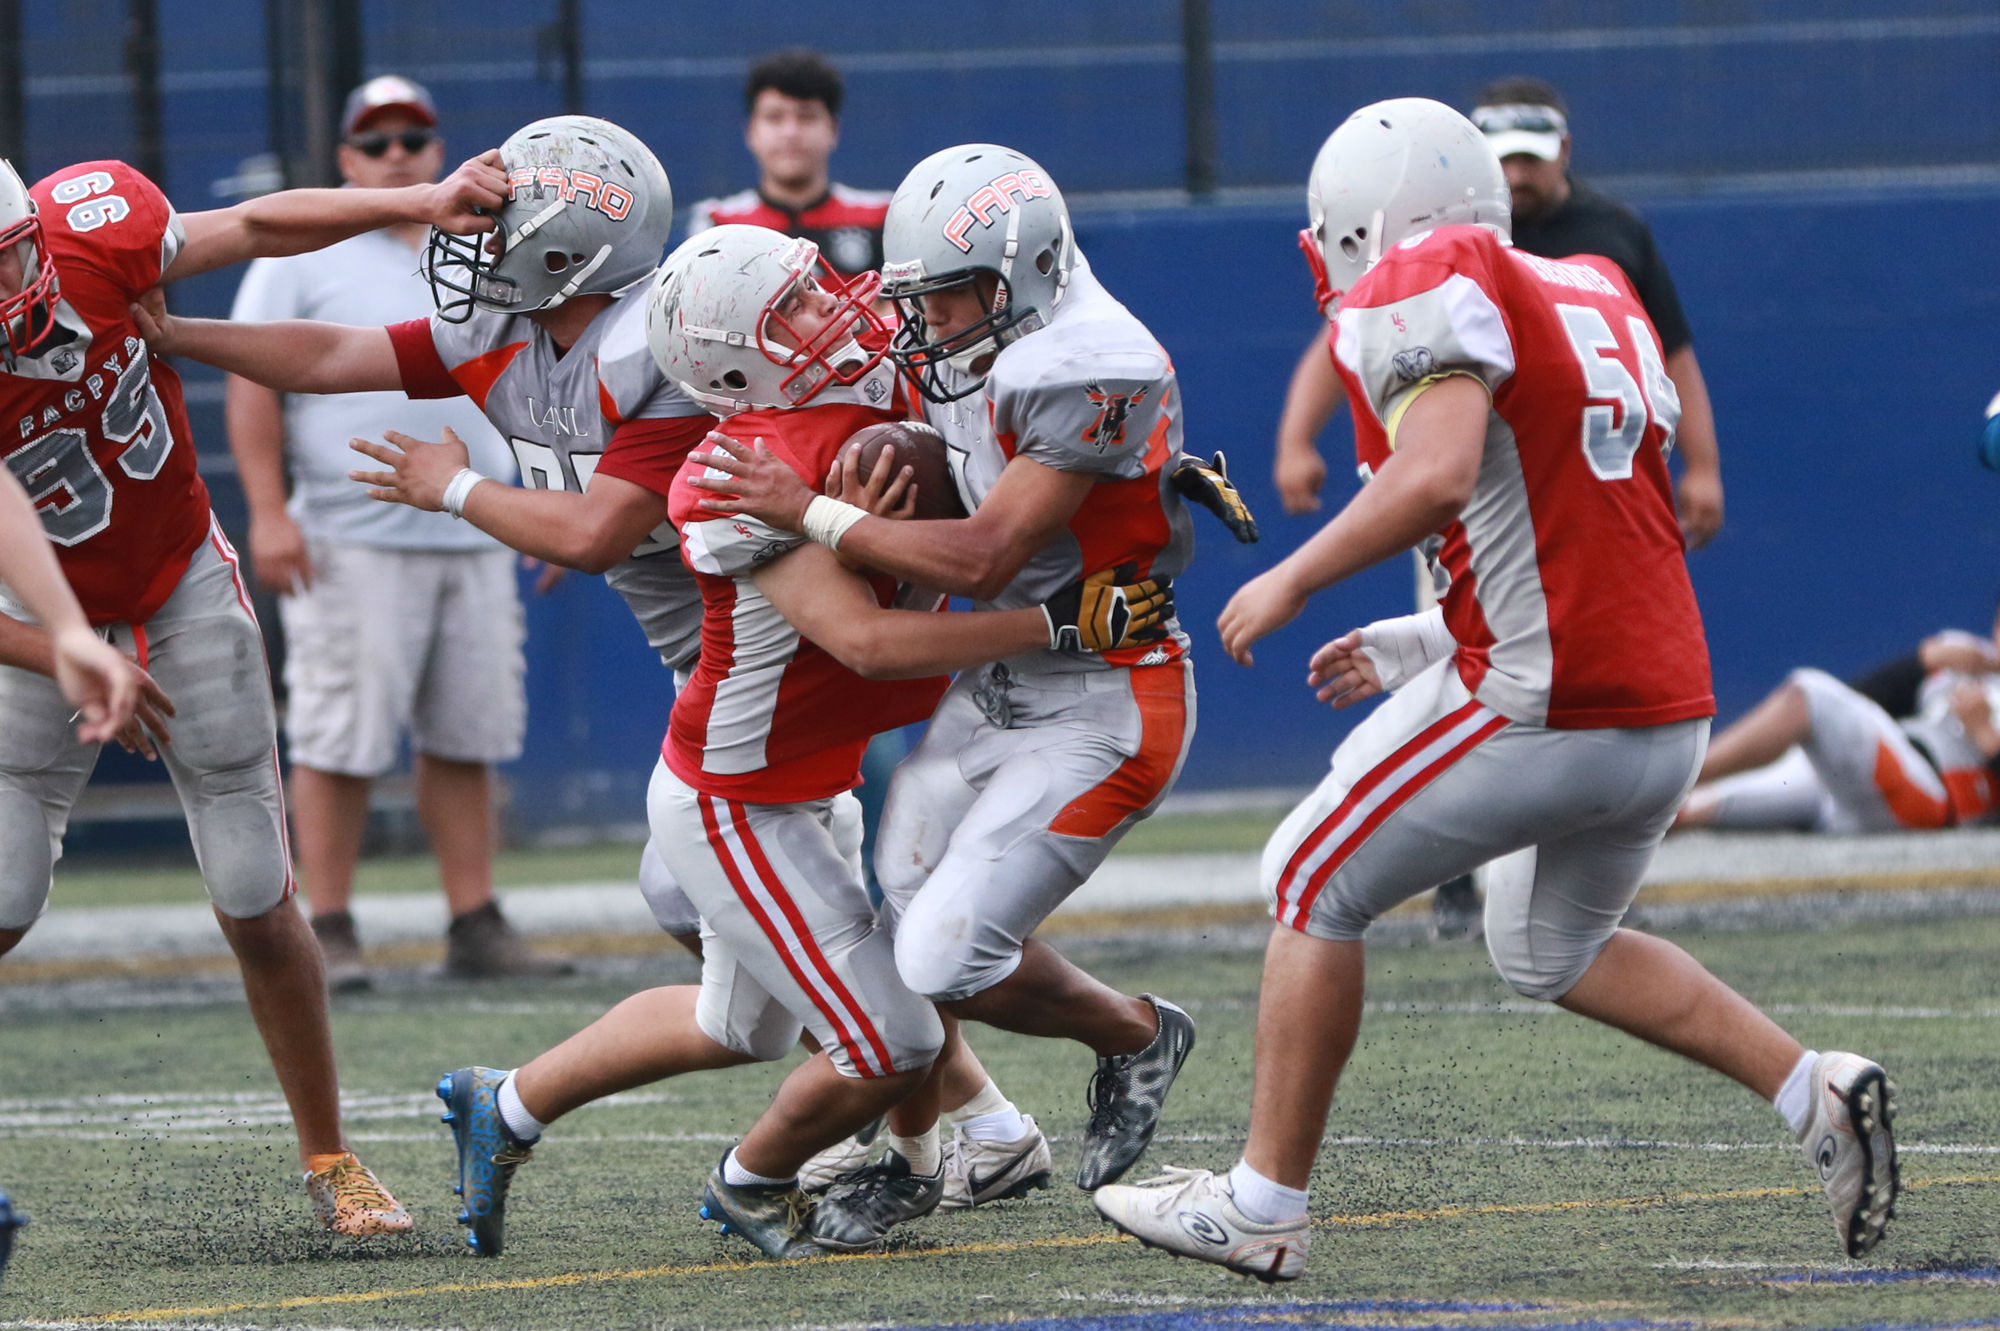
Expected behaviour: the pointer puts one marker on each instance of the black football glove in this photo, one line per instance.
(1208, 484)
(1114, 608)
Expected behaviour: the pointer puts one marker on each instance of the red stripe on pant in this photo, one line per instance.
(1317, 882)
(1362, 789)
(739, 882)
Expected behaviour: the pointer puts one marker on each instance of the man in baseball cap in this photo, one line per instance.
(387, 92)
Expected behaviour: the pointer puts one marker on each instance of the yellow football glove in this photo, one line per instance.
(1113, 608)
(1208, 484)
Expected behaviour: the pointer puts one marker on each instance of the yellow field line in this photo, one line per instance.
(972, 1249)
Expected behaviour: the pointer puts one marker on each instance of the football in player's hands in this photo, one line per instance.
(918, 447)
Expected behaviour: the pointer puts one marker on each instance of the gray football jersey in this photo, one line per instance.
(1092, 391)
(558, 412)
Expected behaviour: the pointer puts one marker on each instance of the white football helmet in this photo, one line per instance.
(1392, 170)
(977, 207)
(591, 212)
(743, 317)
(27, 314)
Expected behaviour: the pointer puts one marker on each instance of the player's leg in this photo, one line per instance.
(350, 674)
(469, 713)
(1761, 735)
(1786, 794)
(672, 911)
(43, 768)
(1874, 776)
(1079, 759)
(204, 649)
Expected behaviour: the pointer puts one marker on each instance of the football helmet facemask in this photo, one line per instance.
(27, 315)
(730, 318)
(1392, 170)
(590, 211)
(975, 209)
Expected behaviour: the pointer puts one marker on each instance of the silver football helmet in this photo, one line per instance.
(978, 208)
(1392, 170)
(591, 211)
(25, 315)
(743, 317)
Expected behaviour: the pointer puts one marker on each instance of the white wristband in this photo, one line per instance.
(455, 491)
(827, 520)
(1404, 647)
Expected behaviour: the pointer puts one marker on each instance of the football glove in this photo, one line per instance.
(10, 1220)
(1208, 484)
(1114, 608)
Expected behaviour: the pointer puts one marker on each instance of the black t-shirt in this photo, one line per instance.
(1593, 223)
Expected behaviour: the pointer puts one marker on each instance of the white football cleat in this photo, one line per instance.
(1848, 1143)
(1192, 1212)
(977, 1172)
(843, 1157)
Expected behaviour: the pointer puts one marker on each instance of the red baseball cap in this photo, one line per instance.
(387, 92)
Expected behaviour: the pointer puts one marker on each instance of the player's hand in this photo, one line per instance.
(419, 470)
(1955, 649)
(753, 481)
(1109, 609)
(1208, 484)
(278, 555)
(148, 726)
(889, 492)
(547, 576)
(1262, 605)
(156, 325)
(92, 676)
(466, 201)
(1974, 711)
(1698, 499)
(1300, 475)
(1342, 673)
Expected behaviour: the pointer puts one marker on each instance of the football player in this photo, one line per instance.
(99, 438)
(802, 661)
(1064, 419)
(1518, 406)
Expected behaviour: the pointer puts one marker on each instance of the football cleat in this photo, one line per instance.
(1192, 1212)
(977, 1172)
(350, 1200)
(776, 1217)
(1849, 1144)
(488, 1154)
(863, 1206)
(843, 1157)
(1126, 1094)
(10, 1220)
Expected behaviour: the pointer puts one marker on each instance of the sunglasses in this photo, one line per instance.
(414, 141)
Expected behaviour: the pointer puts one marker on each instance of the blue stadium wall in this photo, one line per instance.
(1824, 191)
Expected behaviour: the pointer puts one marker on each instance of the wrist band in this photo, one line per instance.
(827, 520)
(455, 491)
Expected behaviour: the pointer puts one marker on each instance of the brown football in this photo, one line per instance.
(919, 446)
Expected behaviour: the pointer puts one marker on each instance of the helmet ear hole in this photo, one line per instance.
(734, 379)
(1045, 262)
(555, 261)
(1350, 247)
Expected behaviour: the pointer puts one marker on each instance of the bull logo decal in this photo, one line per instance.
(1113, 409)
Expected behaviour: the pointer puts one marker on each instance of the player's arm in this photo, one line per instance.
(254, 417)
(1314, 394)
(1440, 439)
(290, 356)
(836, 609)
(294, 221)
(1699, 494)
(975, 556)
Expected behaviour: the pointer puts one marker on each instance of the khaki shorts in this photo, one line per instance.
(392, 641)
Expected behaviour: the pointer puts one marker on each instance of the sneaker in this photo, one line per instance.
(340, 953)
(863, 1206)
(1192, 1213)
(977, 1172)
(481, 945)
(1456, 910)
(1125, 1095)
(1848, 1143)
(10, 1220)
(350, 1200)
(488, 1154)
(775, 1217)
(843, 1157)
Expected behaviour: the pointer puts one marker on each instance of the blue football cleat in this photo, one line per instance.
(488, 1155)
(777, 1218)
(10, 1220)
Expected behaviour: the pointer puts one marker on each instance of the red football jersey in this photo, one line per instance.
(1569, 595)
(96, 430)
(768, 716)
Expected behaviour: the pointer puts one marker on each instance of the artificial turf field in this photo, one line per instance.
(1491, 1164)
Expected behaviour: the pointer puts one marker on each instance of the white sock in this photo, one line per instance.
(989, 1116)
(1794, 1100)
(1263, 1201)
(924, 1154)
(736, 1176)
(522, 1126)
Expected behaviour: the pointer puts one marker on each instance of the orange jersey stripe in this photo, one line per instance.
(1161, 693)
